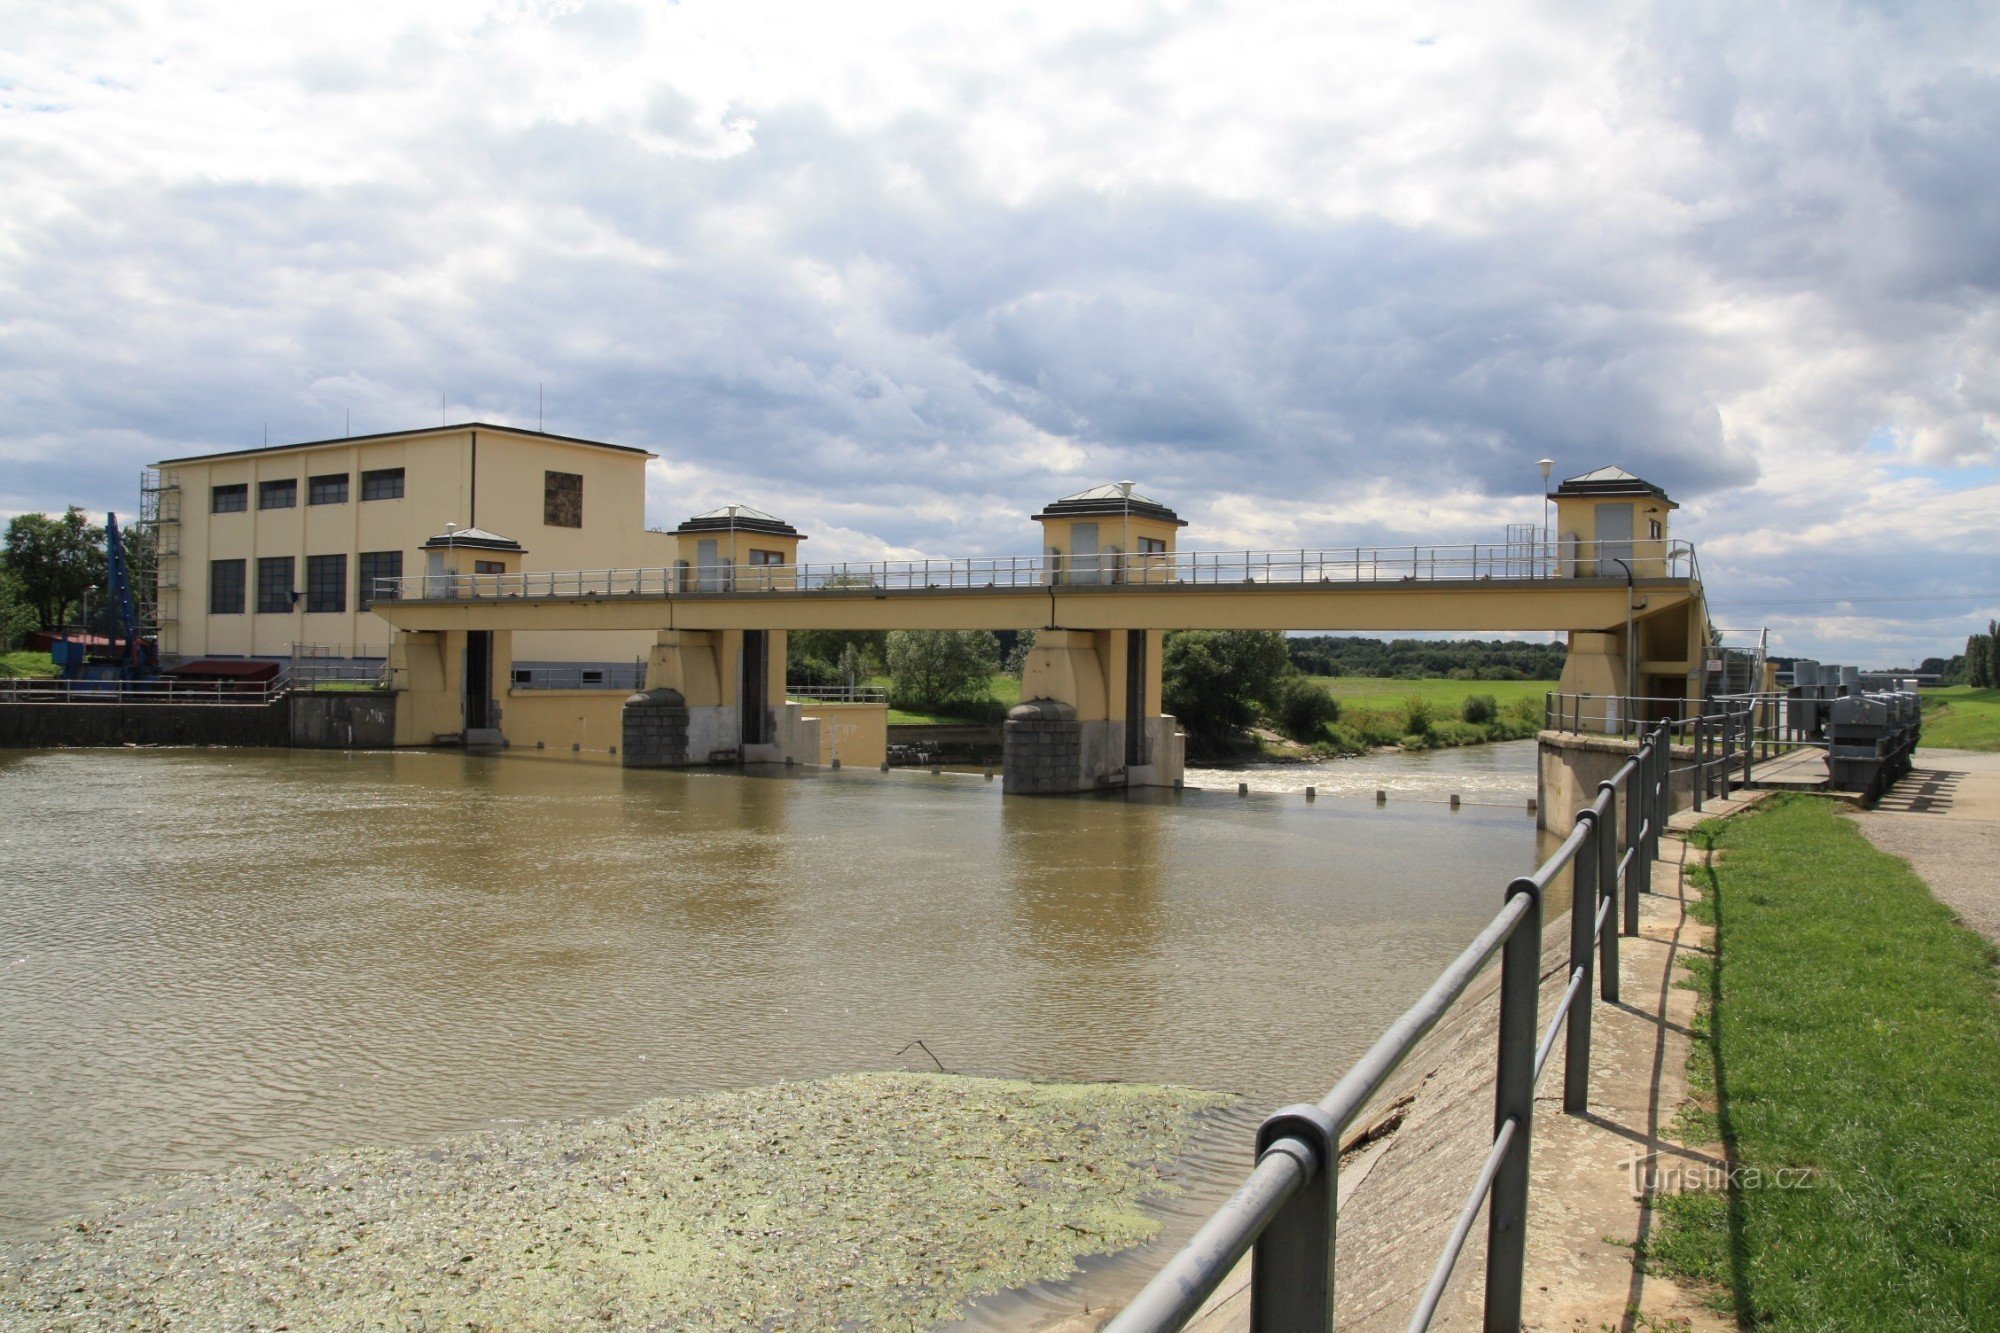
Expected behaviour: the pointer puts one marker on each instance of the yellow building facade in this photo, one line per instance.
(266, 551)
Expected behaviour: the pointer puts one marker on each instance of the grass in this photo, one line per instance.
(1962, 718)
(26, 664)
(1426, 713)
(1002, 692)
(1850, 1030)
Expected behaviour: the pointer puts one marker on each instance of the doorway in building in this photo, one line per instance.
(755, 686)
(1135, 698)
(478, 684)
(1614, 539)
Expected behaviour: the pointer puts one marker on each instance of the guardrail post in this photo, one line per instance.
(1291, 1268)
(1514, 1099)
(1638, 875)
(1700, 763)
(1582, 955)
(1749, 744)
(1607, 889)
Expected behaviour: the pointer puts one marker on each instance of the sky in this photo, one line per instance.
(1313, 274)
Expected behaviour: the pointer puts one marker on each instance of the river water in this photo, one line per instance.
(213, 957)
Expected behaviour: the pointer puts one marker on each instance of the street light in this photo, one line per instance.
(1546, 465)
(88, 589)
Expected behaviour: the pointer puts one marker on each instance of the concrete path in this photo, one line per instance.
(1944, 819)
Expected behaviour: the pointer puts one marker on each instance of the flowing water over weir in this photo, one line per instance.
(215, 957)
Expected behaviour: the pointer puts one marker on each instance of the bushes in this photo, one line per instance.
(1479, 708)
(1419, 716)
(1303, 709)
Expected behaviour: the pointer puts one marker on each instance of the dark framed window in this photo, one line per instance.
(229, 499)
(326, 583)
(489, 567)
(274, 584)
(378, 565)
(383, 483)
(328, 490)
(278, 494)
(225, 587)
(562, 499)
(766, 557)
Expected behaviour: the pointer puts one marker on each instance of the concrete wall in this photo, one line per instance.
(1572, 766)
(49, 725)
(855, 734)
(588, 720)
(342, 721)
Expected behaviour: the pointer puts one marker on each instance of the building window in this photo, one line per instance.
(326, 583)
(278, 494)
(274, 584)
(328, 490)
(385, 483)
(562, 499)
(1654, 529)
(767, 557)
(1152, 546)
(377, 565)
(489, 567)
(225, 587)
(229, 499)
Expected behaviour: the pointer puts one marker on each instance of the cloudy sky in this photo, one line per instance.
(1313, 273)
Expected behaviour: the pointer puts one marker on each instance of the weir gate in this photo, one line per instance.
(1107, 586)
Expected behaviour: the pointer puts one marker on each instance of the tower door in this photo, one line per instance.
(1614, 539)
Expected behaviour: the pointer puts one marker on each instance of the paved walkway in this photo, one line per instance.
(1944, 819)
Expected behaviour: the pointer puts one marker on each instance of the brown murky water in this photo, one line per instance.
(209, 957)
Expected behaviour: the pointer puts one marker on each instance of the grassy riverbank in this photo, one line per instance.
(868, 1201)
(1850, 1035)
(1962, 718)
(1424, 714)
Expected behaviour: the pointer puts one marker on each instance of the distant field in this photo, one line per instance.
(1962, 718)
(1447, 696)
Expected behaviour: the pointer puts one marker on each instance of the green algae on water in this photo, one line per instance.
(883, 1200)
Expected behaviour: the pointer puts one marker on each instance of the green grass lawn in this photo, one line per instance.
(1850, 1030)
(1447, 696)
(26, 664)
(1962, 718)
(1002, 689)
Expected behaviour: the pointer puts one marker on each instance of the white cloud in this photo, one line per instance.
(1315, 274)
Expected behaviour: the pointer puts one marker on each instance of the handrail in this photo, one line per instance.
(1285, 1212)
(164, 691)
(1467, 562)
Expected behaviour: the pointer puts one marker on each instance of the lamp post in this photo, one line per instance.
(1546, 465)
(88, 589)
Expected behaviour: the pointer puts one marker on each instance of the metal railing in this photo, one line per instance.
(1723, 738)
(838, 694)
(1285, 1214)
(1474, 562)
(236, 693)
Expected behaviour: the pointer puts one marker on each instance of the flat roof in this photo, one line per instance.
(407, 434)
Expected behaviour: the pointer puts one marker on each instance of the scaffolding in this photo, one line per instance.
(158, 597)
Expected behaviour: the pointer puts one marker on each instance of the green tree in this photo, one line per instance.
(1212, 680)
(1303, 707)
(932, 669)
(54, 560)
(1979, 661)
(17, 615)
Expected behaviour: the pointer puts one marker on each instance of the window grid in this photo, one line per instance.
(384, 483)
(328, 490)
(274, 584)
(229, 499)
(378, 565)
(225, 587)
(326, 583)
(278, 494)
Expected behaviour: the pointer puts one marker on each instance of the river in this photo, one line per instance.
(212, 957)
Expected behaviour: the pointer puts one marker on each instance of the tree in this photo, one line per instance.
(54, 561)
(1979, 662)
(17, 616)
(1212, 679)
(1303, 707)
(932, 669)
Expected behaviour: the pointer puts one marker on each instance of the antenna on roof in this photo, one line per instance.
(440, 407)
(538, 409)
(267, 435)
